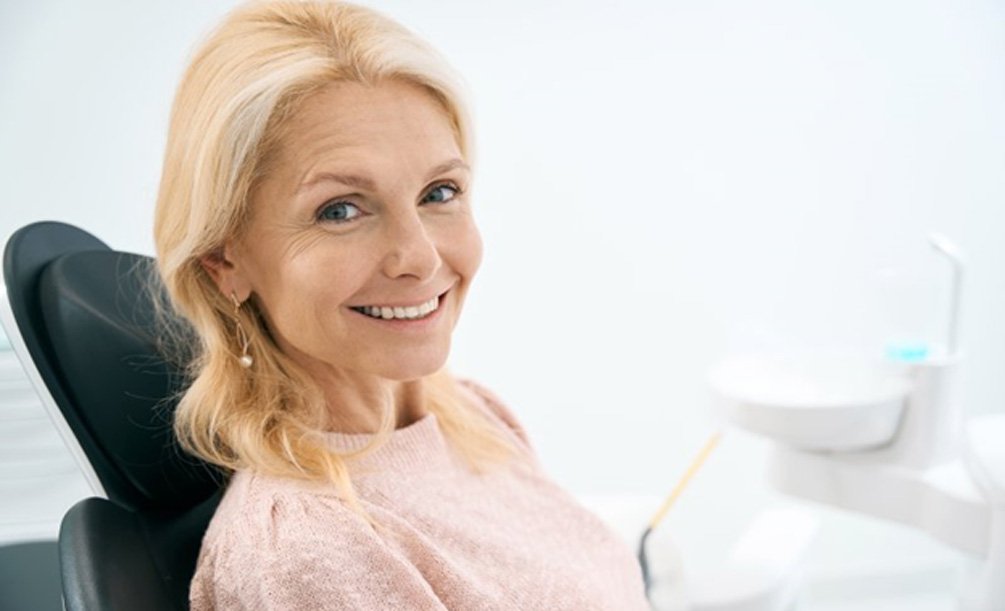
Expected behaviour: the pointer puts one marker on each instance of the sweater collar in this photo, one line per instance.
(415, 446)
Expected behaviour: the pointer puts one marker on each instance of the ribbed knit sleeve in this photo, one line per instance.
(306, 552)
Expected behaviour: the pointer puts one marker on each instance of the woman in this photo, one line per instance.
(314, 225)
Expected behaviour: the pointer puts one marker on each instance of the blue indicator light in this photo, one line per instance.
(907, 353)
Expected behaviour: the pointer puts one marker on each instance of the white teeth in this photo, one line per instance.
(409, 313)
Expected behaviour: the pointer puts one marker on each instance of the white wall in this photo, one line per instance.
(659, 183)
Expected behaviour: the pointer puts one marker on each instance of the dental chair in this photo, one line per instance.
(85, 319)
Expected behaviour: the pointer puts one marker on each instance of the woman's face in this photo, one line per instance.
(366, 205)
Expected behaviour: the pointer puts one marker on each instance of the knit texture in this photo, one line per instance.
(507, 539)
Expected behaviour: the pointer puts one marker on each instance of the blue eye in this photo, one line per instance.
(442, 193)
(336, 212)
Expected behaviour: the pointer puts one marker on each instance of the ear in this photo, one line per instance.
(222, 266)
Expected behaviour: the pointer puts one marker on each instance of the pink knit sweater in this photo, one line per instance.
(508, 539)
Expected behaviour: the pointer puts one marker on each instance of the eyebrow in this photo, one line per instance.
(362, 182)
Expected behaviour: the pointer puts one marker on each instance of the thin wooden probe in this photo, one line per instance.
(692, 469)
(696, 464)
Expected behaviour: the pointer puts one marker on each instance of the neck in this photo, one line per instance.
(356, 406)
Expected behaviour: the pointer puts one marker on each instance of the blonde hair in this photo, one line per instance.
(228, 118)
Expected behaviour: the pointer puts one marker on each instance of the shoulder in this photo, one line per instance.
(277, 544)
(261, 511)
(268, 531)
(496, 407)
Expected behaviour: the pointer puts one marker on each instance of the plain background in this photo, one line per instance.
(660, 184)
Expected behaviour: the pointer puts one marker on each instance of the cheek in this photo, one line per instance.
(321, 284)
(299, 292)
(466, 250)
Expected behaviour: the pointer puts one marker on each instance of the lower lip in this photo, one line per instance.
(401, 324)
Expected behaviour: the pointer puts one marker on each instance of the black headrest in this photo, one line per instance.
(86, 315)
(98, 308)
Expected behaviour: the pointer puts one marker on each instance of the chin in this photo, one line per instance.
(411, 369)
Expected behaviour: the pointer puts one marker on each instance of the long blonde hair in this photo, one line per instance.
(229, 113)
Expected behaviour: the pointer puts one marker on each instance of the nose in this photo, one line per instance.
(410, 250)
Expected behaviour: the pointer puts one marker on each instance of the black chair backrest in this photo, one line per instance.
(86, 314)
(114, 559)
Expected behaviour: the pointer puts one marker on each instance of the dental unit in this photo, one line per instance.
(885, 438)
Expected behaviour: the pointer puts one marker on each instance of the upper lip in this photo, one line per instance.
(409, 304)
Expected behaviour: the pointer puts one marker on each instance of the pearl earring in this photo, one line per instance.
(242, 337)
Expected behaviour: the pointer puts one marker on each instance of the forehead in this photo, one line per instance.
(353, 121)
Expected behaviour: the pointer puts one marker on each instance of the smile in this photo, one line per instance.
(405, 313)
